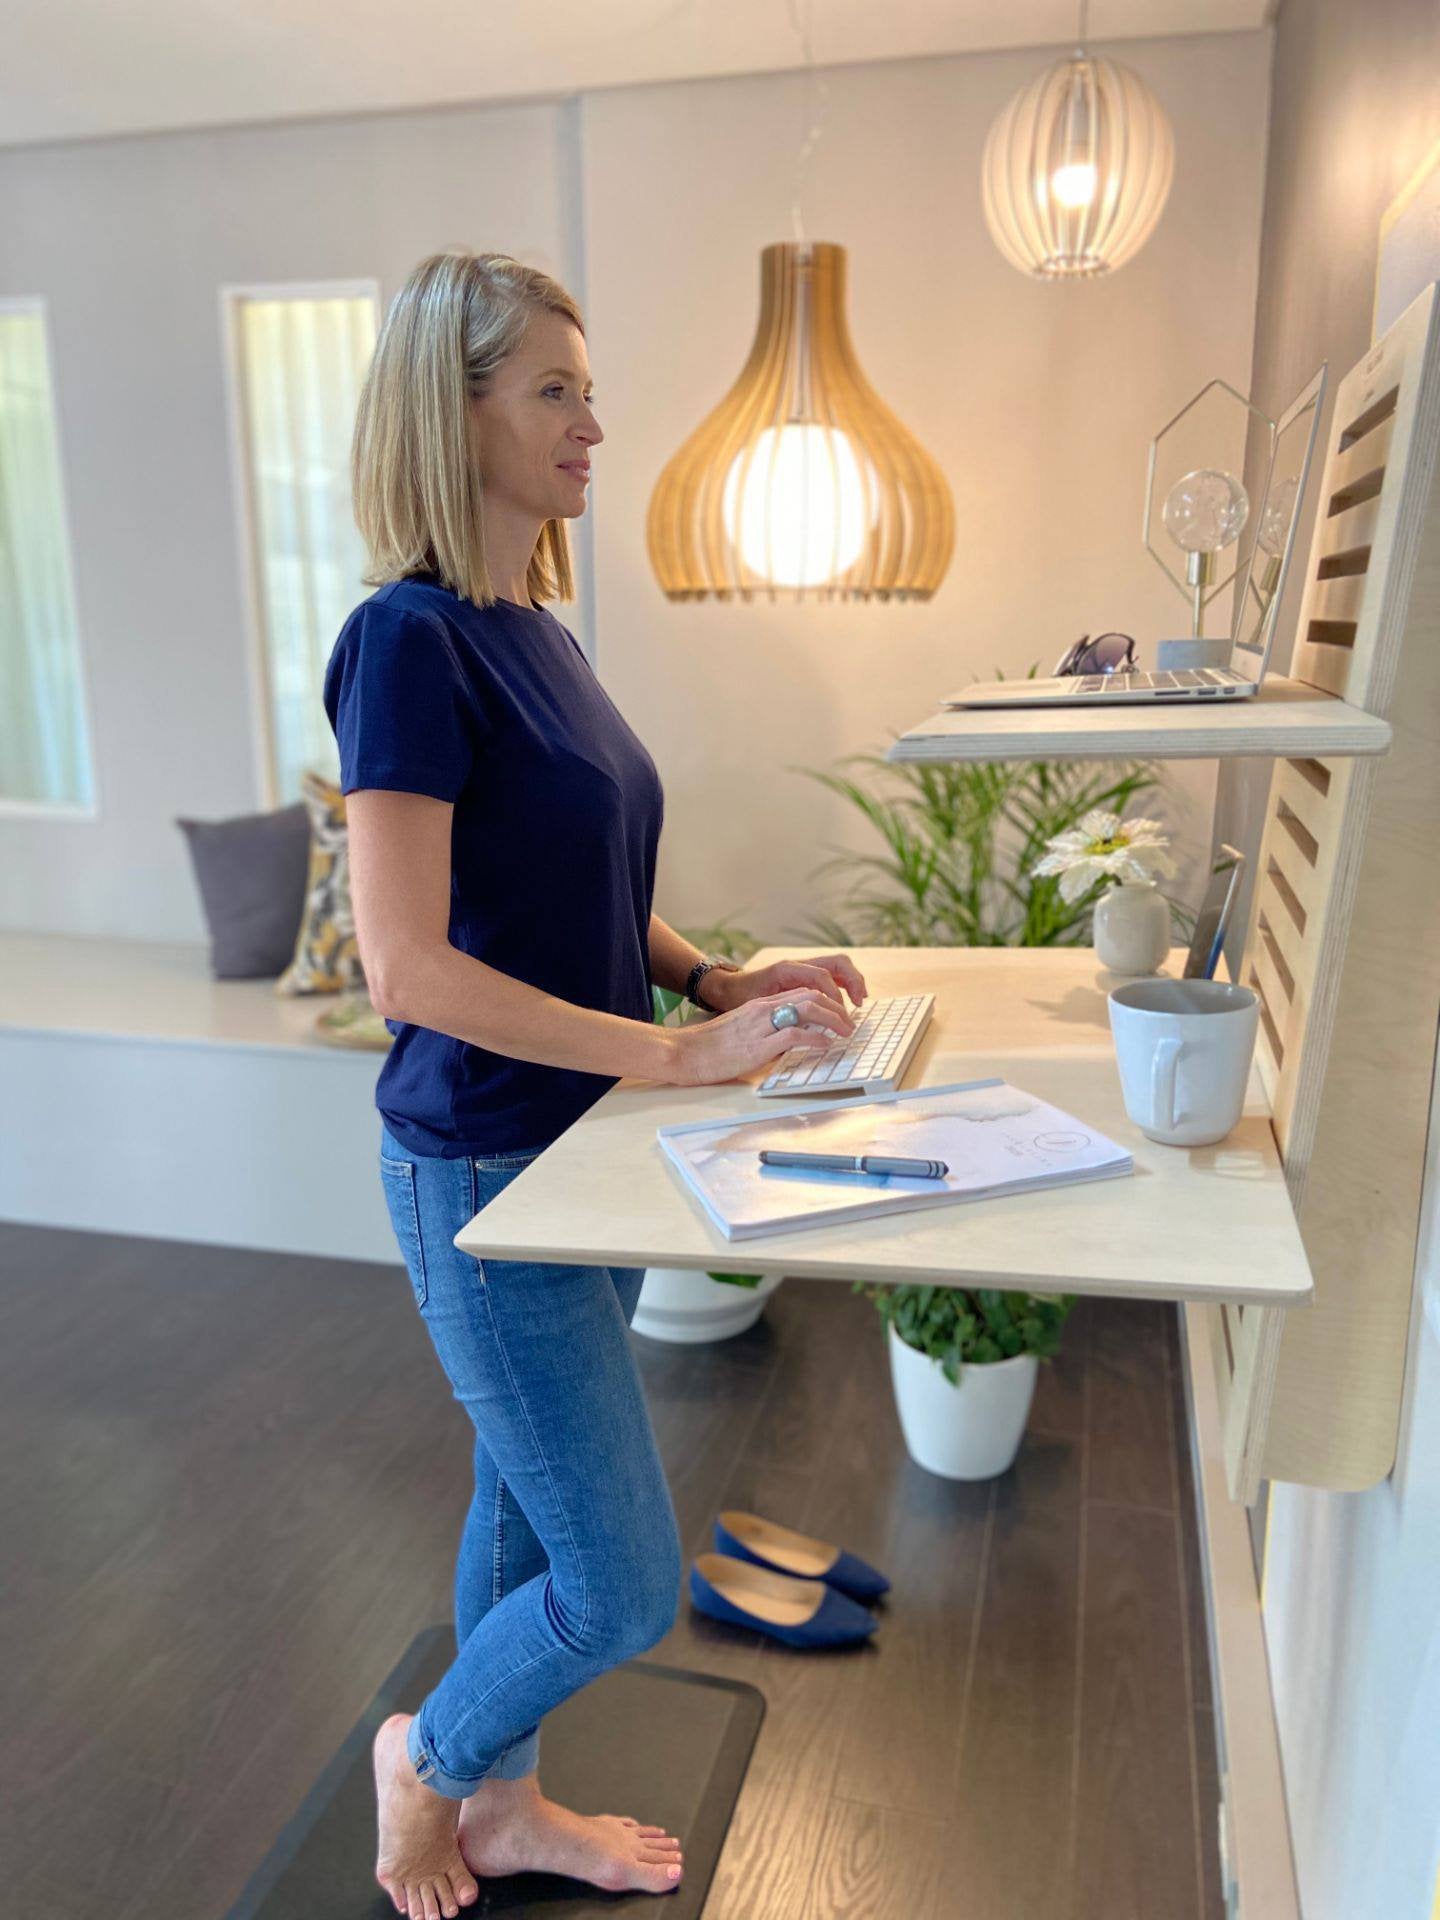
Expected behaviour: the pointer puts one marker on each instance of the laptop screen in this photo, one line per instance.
(1273, 529)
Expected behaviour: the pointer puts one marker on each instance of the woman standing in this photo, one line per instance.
(503, 827)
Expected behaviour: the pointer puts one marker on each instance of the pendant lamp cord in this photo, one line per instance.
(809, 113)
(1084, 22)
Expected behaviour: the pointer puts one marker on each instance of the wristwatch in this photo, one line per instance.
(698, 973)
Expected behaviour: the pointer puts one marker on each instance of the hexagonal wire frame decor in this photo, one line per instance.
(1197, 596)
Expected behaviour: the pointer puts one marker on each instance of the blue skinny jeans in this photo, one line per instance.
(569, 1558)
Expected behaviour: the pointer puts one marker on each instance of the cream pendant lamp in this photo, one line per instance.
(1077, 169)
(802, 481)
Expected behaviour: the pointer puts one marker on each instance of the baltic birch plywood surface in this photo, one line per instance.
(1285, 717)
(1204, 1223)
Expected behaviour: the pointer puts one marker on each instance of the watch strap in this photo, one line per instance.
(698, 973)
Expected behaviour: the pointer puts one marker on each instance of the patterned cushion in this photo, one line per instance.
(327, 958)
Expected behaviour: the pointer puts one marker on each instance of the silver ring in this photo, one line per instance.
(786, 1016)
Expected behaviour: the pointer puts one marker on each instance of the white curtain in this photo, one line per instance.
(44, 749)
(302, 361)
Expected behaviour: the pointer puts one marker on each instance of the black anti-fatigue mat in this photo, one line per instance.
(668, 1746)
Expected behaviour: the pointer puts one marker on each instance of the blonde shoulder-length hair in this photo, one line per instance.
(414, 460)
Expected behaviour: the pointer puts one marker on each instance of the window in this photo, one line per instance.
(44, 731)
(297, 356)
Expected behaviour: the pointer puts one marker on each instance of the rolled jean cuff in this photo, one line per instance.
(512, 1764)
(518, 1760)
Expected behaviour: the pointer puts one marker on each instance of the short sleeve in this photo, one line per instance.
(402, 710)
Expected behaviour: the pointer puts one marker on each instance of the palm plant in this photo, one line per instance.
(961, 840)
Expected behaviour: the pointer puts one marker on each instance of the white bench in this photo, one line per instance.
(141, 1096)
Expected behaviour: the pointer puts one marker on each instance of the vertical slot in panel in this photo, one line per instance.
(1314, 773)
(1330, 633)
(1272, 1032)
(1289, 897)
(1343, 564)
(1365, 423)
(1277, 958)
(1307, 799)
(1286, 937)
(1300, 834)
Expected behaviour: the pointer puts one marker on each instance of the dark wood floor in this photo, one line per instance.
(223, 1523)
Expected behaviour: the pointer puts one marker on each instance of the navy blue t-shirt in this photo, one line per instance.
(552, 856)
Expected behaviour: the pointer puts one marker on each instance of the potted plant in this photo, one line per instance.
(962, 841)
(1121, 858)
(964, 1365)
(680, 1303)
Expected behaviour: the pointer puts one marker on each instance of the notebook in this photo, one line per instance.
(994, 1138)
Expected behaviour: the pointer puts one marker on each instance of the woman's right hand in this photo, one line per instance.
(734, 1042)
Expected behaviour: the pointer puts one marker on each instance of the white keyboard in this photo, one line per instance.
(872, 1058)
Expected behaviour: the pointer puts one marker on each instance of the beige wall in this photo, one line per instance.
(1351, 1579)
(653, 203)
(1038, 401)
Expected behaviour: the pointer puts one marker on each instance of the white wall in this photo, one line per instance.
(130, 241)
(1037, 400)
(1352, 1622)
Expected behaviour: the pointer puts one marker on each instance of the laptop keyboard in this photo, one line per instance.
(1157, 682)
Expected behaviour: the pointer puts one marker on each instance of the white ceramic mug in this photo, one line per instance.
(1183, 1049)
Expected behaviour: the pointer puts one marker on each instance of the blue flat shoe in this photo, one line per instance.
(764, 1544)
(801, 1613)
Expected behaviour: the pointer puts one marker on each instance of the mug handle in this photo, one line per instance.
(1162, 1082)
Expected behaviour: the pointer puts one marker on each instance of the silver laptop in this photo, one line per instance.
(1261, 578)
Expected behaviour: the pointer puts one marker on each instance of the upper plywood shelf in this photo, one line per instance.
(1286, 720)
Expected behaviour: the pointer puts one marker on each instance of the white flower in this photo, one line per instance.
(1106, 848)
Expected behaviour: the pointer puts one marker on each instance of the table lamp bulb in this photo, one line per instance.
(1205, 510)
(1275, 521)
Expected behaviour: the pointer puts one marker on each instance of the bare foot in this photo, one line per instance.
(418, 1862)
(508, 1826)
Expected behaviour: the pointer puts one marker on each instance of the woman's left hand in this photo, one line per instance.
(828, 971)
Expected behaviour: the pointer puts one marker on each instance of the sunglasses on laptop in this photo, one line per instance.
(1105, 653)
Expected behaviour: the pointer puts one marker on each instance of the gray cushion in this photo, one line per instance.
(252, 873)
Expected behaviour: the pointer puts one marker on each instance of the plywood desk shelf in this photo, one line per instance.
(1287, 719)
(1204, 1224)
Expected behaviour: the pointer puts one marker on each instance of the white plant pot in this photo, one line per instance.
(683, 1304)
(967, 1432)
(1132, 929)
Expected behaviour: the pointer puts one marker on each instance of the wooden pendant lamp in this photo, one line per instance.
(802, 482)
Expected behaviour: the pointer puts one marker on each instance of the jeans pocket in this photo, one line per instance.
(398, 1179)
(490, 1174)
(505, 1162)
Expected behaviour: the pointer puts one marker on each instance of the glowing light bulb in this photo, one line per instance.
(801, 518)
(1205, 510)
(1073, 185)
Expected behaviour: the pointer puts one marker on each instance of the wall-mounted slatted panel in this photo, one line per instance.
(1342, 612)
(1302, 840)
(1344, 947)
